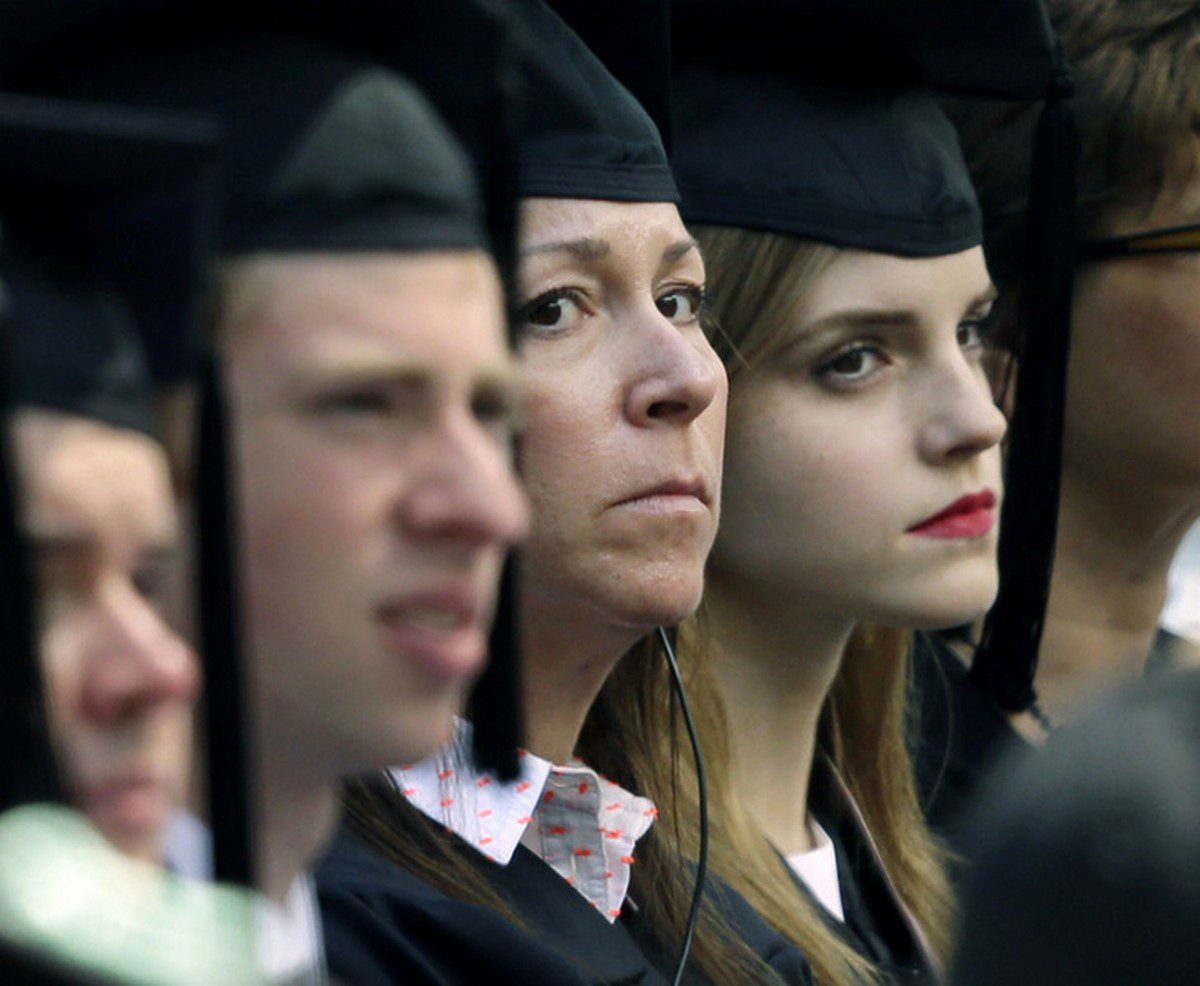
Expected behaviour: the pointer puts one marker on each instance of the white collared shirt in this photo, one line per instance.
(818, 869)
(580, 824)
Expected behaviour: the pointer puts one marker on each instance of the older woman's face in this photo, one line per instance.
(624, 413)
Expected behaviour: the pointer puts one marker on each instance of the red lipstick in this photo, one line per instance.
(970, 516)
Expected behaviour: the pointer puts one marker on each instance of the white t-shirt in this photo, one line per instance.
(1181, 615)
(818, 869)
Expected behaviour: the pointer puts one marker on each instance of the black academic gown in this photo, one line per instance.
(878, 925)
(383, 925)
(959, 736)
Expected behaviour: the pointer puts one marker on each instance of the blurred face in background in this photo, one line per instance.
(121, 684)
(1133, 384)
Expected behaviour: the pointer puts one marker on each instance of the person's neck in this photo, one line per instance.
(297, 811)
(566, 665)
(775, 663)
(1113, 554)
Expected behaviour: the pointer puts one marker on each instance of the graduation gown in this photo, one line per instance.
(383, 925)
(959, 735)
(878, 925)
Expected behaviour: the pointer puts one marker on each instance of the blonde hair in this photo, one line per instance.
(757, 278)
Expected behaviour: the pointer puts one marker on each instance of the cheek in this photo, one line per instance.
(307, 532)
(1135, 345)
(801, 484)
(563, 452)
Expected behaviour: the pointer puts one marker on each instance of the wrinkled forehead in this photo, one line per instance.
(550, 220)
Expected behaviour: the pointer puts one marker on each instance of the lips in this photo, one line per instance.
(970, 516)
(687, 494)
(439, 631)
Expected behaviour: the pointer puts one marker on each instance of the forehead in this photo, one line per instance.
(858, 278)
(545, 220)
(441, 311)
(84, 478)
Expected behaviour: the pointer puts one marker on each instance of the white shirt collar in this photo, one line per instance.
(580, 824)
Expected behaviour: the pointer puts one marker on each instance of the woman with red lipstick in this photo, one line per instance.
(862, 479)
(478, 880)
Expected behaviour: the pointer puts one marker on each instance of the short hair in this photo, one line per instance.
(1136, 70)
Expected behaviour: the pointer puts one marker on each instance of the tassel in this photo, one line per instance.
(226, 707)
(1006, 661)
(29, 772)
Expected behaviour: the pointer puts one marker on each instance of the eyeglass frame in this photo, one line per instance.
(1171, 239)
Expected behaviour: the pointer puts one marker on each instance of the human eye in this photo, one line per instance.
(682, 305)
(975, 333)
(150, 582)
(553, 311)
(358, 400)
(853, 364)
(495, 408)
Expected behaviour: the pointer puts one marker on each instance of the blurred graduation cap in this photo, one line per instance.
(819, 120)
(73, 345)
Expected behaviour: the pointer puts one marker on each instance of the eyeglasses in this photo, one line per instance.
(1175, 239)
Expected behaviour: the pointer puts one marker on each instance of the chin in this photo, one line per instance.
(959, 605)
(651, 603)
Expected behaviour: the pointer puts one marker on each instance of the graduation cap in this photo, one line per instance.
(74, 347)
(819, 120)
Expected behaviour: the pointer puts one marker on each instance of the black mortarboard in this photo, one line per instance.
(817, 120)
(584, 135)
(322, 150)
(73, 346)
(867, 168)
(580, 132)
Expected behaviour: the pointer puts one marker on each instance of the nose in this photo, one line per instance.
(136, 663)
(674, 375)
(965, 420)
(467, 490)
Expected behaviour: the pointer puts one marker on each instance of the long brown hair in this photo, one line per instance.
(756, 279)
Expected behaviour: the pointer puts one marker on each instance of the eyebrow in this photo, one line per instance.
(898, 318)
(586, 248)
(678, 249)
(52, 543)
(415, 379)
